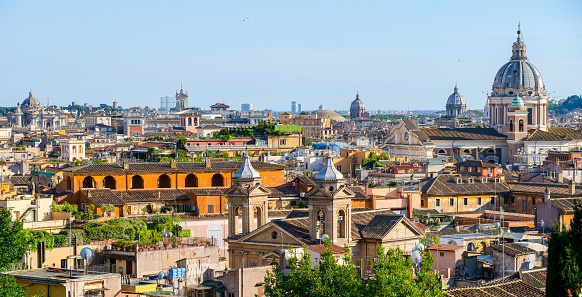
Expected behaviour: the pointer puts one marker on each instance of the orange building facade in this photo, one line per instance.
(150, 186)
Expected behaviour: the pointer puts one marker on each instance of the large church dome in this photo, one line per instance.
(456, 98)
(518, 76)
(31, 102)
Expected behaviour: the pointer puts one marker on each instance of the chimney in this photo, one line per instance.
(125, 165)
(173, 164)
(207, 163)
(572, 187)
(560, 177)
(547, 195)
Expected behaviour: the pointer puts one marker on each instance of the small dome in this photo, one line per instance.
(456, 98)
(357, 103)
(517, 101)
(246, 170)
(329, 172)
(329, 114)
(31, 101)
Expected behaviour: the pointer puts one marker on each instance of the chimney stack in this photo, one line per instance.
(572, 187)
(207, 163)
(125, 165)
(547, 195)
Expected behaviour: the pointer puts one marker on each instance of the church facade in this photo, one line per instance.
(253, 241)
(518, 131)
(33, 115)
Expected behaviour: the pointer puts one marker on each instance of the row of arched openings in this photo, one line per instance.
(137, 182)
(341, 223)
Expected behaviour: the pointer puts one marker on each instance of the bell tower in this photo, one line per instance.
(247, 201)
(516, 127)
(330, 206)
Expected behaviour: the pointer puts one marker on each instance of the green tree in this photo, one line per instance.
(9, 287)
(12, 243)
(393, 276)
(108, 208)
(564, 255)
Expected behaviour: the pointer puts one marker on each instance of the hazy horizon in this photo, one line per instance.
(398, 56)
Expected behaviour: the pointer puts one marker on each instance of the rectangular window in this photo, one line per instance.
(538, 159)
(465, 201)
(210, 208)
(451, 201)
(505, 200)
(438, 202)
(339, 167)
(524, 206)
(533, 200)
(512, 200)
(529, 116)
(478, 200)
(421, 202)
(442, 254)
(492, 200)
(469, 169)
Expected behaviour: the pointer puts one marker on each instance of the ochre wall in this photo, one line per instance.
(177, 180)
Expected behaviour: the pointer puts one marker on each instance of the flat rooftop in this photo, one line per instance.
(58, 275)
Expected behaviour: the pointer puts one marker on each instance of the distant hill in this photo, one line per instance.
(573, 102)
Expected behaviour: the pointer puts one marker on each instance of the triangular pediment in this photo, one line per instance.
(257, 190)
(403, 229)
(266, 235)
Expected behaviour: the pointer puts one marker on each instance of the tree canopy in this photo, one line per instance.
(565, 258)
(392, 276)
(12, 243)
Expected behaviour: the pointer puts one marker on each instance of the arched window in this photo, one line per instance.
(238, 220)
(258, 218)
(441, 152)
(109, 183)
(467, 151)
(511, 125)
(471, 247)
(88, 182)
(191, 181)
(136, 182)
(341, 224)
(189, 121)
(217, 180)
(74, 149)
(164, 182)
(520, 125)
(320, 224)
(68, 183)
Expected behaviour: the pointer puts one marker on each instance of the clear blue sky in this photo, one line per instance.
(398, 55)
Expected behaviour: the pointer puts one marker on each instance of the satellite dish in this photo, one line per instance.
(86, 253)
(161, 274)
(170, 234)
(497, 225)
(324, 237)
(418, 247)
(416, 257)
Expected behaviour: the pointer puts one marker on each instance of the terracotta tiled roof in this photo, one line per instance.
(121, 197)
(512, 249)
(566, 204)
(180, 166)
(446, 184)
(284, 190)
(554, 134)
(359, 191)
(103, 196)
(380, 225)
(305, 180)
(299, 226)
(507, 289)
(463, 134)
(555, 188)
